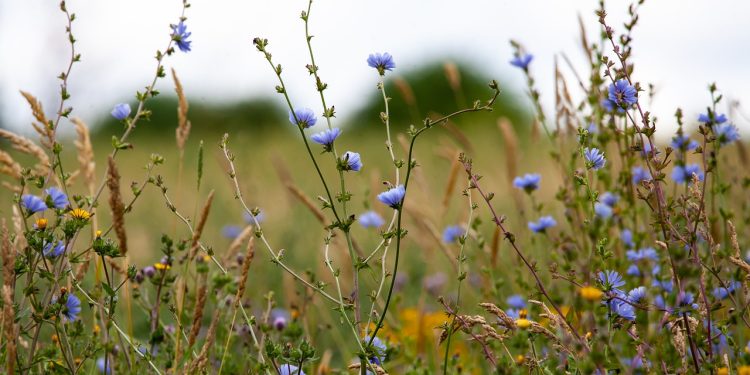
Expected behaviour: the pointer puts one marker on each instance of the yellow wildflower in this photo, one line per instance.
(520, 359)
(591, 293)
(743, 370)
(522, 322)
(98, 234)
(41, 223)
(161, 266)
(80, 213)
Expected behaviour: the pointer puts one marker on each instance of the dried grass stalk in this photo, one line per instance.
(510, 143)
(8, 166)
(450, 186)
(200, 362)
(116, 205)
(406, 92)
(453, 75)
(9, 330)
(200, 304)
(46, 132)
(234, 247)
(194, 244)
(183, 124)
(26, 146)
(87, 166)
(249, 255)
(300, 195)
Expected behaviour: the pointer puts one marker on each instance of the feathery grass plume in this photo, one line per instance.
(407, 94)
(200, 305)
(86, 163)
(18, 229)
(9, 330)
(42, 126)
(194, 242)
(495, 246)
(249, 255)
(183, 124)
(8, 166)
(450, 185)
(453, 76)
(564, 107)
(116, 205)
(237, 243)
(306, 201)
(26, 146)
(200, 362)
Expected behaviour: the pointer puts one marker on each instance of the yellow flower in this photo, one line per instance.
(206, 258)
(520, 359)
(98, 234)
(41, 223)
(80, 213)
(591, 294)
(161, 266)
(96, 329)
(743, 370)
(589, 335)
(523, 323)
(55, 339)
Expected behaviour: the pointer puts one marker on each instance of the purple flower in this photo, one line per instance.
(528, 182)
(381, 62)
(627, 238)
(516, 301)
(249, 218)
(149, 271)
(370, 219)
(684, 174)
(637, 294)
(121, 111)
(59, 199)
(326, 138)
(609, 199)
(611, 280)
(393, 197)
(303, 117)
(279, 318)
(642, 254)
(722, 292)
(683, 142)
(522, 61)
(32, 203)
(378, 346)
(624, 310)
(711, 117)
(351, 161)
(542, 225)
(726, 133)
(633, 270)
(622, 93)
(513, 313)
(231, 231)
(100, 366)
(592, 128)
(640, 174)
(180, 35)
(55, 251)
(594, 158)
(452, 233)
(72, 307)
(602, 210)
(288, 369)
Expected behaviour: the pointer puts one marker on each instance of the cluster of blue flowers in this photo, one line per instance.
(604, 209)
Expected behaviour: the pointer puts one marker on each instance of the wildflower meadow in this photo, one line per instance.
(477, 238)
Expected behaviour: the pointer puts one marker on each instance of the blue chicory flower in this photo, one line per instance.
(32, 203)
(180, 35)
(602, 210)
(52, 250)
(121, 111)
(351, 161)
(542, 225)
(249, 218)
(303, 117)
(393, 197)
(594, 158)
(636, 295)
(684, 174)
(640, 174)
(627, 238)
(624, 310)
(72, 307)
(59, 199)
(379, 347)
(100, 363)
(326, 138)
(726, 133)
(623, 93)
(609, 199)
(231, 231)
(711, 117)
(516, 301)
(370, 219)
(611, 280)
(289, 369)
(684, 143)
(528, 182)
(452, 233)
(381, 62)
(633, 270)
(522, 61)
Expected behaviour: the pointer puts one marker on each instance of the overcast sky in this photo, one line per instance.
(680, 46)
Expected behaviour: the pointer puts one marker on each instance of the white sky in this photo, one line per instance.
(680, 46)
